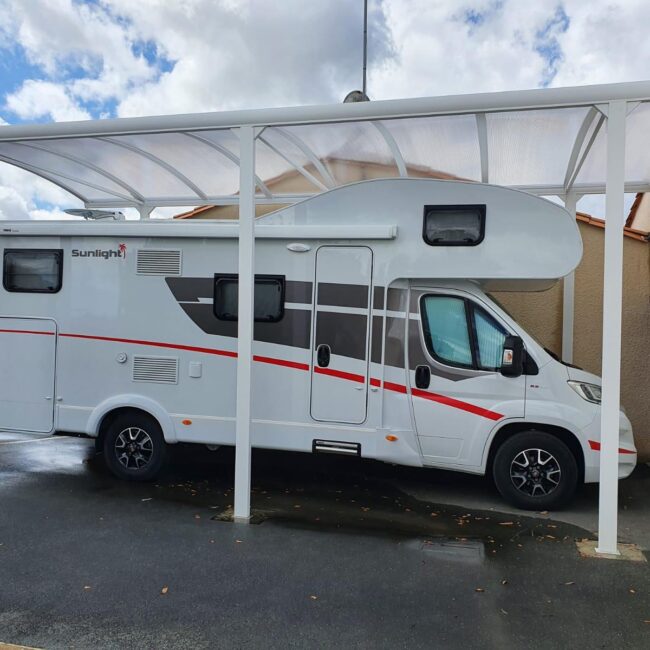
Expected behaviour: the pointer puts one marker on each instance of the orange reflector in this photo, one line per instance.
(187, 422)
(391, 438)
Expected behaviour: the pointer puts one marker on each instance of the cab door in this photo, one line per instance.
(458, 392)
(28, 356)
(339, 380)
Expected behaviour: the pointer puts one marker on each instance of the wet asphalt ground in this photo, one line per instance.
(348, 553)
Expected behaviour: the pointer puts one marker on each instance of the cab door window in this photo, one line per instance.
(457, 332)
(446, 331)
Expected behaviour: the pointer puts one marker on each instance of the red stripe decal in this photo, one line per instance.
(281, 362)
(155, 344)
(398, 388)
(454, 403)
(340, 374)
(26, 332)
(596, 447)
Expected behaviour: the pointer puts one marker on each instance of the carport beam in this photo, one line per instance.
(242, 509)
(612, 314)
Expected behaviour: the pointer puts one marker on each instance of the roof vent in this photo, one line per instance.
(157, 262)
(157, 370)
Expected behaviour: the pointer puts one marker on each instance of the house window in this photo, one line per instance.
(32, 270)
(269, 298)
(454, 225)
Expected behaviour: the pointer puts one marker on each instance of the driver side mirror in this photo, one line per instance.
(512, 360)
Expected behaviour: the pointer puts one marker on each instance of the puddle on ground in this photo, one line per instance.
(346, 495)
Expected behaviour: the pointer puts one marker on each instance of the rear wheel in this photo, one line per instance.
(134, 447)
(535, 470)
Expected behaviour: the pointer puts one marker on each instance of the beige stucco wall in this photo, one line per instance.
(541, 315)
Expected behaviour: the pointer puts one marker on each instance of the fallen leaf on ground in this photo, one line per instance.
(164, 590)
(480, 590)
(632, 591)
(314, 597)
(506, 523)
(504, 582)
(434, 514)
(569, 583)
(197, 516)
(87, 587)
(238, 541)
(147, 499)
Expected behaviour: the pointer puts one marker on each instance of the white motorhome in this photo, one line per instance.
(375, 335)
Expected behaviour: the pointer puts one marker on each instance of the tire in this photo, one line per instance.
(535, 470)
(134, 447)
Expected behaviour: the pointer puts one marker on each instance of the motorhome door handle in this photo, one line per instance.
(422, 376)
(323, 355)
(48, 397)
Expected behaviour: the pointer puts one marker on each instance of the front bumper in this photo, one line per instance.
(627, 456)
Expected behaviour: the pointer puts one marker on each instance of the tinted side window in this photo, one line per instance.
(454, 225)
(490, 337)
(269, 298)
(446, 332)
(32, 270)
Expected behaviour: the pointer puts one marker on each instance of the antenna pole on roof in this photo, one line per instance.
(365, 44)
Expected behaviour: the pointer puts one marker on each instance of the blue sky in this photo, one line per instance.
(75, 59)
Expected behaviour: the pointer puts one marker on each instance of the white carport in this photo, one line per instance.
(563, 142)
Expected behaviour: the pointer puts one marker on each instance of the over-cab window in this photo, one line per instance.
(458, 332)
(269, 297)
(32, 270)
(454, 225)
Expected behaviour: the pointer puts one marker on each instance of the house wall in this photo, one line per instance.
(541, 315)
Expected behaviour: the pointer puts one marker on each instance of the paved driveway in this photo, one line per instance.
(349, 554)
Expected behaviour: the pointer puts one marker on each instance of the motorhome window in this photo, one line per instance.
(446, 331)
(454, 225)
(490, 337)
(269, 298)
(32, 270)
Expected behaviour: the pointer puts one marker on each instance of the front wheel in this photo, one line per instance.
(535, 470)
(134, 447)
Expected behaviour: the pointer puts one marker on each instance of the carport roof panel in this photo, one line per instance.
(546, 141)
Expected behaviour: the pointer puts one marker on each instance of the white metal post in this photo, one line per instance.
(612, 313)
(242, 509)
(568, 295)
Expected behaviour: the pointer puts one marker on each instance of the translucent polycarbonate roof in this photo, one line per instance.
(547, 141)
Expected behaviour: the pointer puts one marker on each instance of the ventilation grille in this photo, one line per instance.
(158, 370)
(151, 262)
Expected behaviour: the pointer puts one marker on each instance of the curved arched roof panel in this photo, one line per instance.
(545, 141)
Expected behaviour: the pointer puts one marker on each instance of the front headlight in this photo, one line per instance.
(589, 392)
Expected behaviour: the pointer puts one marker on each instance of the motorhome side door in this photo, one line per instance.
(339, 380)
(27, 355)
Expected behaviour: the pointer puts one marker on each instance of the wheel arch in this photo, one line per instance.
(107, 411)
(511, 429)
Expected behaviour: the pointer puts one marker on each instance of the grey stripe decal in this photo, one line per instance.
(296, 291)
(378, 298)
(375, 346)
(394, 351)
(343, 295)
(191, 289)
(294, 330)
(344, 333)
(396, 300)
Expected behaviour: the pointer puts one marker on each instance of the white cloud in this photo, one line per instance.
(37, 99)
